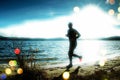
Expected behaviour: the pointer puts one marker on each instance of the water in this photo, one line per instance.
(55, 52)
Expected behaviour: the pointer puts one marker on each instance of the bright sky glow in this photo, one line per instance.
(38, 29)
(94, 23)
(91, 22)
(118, 16)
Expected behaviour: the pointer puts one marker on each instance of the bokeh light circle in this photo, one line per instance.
(118, 9)
(17, 51)
(66, 75)
(8, 71)
(112, 2)
(3, 76)
(20, 71)
(111, 12)
(76, 9)
(13, 63)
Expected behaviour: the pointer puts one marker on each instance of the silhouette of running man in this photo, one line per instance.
(73, 35)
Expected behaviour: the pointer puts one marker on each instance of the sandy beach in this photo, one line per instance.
(109, 71)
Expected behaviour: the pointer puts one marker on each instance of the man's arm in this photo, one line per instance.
(77, 34)
(67, 35)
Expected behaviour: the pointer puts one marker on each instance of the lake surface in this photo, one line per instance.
(56, 52)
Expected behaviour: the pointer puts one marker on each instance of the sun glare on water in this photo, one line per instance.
(92, 52)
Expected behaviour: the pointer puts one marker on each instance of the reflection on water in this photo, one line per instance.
(94, 50)
(52, 52)
(90, 50)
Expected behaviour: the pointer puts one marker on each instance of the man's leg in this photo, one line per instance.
(70, 59)
(75, 55)
(70, 53)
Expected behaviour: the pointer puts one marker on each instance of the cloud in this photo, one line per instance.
(37, 28)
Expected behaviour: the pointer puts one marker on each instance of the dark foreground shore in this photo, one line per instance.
(109, 71)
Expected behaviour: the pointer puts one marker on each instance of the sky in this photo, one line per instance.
(50, 18)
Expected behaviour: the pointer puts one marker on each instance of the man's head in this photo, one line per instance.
(70, 25)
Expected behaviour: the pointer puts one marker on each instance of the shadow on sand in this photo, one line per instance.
(97, 75)
(72, 74)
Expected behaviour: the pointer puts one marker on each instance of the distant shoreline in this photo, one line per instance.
(52, 39)
(32, 39)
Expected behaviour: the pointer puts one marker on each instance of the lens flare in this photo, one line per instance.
(17, 51)
(13, 63)
(112, 2)
(76, 9)
(102, 62)
(20, 71)
(118, 9)
(111, 12)
(8, 71)
(66, 75)
(3, 76)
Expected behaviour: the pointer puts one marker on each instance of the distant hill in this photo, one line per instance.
(56, 39)
(23, 38)
(53, 39)
(111, 38)
(19, 38)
